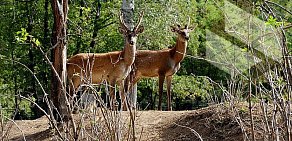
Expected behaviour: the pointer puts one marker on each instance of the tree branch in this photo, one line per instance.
(280, 6)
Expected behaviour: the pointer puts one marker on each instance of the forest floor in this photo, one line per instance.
(213, 123)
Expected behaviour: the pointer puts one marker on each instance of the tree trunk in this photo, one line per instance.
(98, 24)
(79, 34)
(31, 65)
(46, 42)
(59, 56)
(128, 12)
(95, 26)
(43, 75)
(17, 115)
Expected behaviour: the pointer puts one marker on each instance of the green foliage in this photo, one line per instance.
(243, 110)
(26, 23)
(185, 89)
(6, 101)
(82, 25)
(15, 46)
(21, 36)
(159, 16)
(191, 87)
(273, 22)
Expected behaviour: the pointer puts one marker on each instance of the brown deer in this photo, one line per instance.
(113, 67)
(161, 63)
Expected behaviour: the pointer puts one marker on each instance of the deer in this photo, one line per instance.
(161, 63)
(112, 67)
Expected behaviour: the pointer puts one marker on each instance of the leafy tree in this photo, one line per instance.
(93, 27)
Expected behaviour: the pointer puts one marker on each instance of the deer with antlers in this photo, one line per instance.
(113, 67)
(161, 63)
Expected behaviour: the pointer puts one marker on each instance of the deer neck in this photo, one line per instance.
(179, 50)
(129, 53)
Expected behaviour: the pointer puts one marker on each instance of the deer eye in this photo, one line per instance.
(129, 32)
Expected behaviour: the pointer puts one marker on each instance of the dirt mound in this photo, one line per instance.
(213, 123)
(209, 123)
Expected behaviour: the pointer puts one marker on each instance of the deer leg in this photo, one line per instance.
(127, 82)
(74, 85)
(112, 88)
(133, 83)
(160, 85)
(132, 90)
(168, 84)
(73, 99)
(122, 96)
(134, 97)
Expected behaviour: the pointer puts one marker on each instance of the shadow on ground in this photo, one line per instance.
(39, 136)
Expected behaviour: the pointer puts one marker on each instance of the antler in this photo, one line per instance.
(122, 22)
(189, 21)
(188, 24)
(175, 28)
(139, 20)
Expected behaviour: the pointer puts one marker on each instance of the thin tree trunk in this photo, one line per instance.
(96, 27)
(98, 24)
(79, 34)
(288, 76)
(46, 41)
(59, 56)
(43, 65)
(31, 64)
(152, 103)
(128, 12)
(16, 106)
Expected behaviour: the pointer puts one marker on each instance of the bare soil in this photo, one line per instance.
(213, 123)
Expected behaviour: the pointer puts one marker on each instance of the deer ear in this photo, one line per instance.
(191, 28)
(140, 29)
(122, 30)
(174, 29)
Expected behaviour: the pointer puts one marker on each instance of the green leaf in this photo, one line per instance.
(273, 22)
(36, 41)
(244, 49)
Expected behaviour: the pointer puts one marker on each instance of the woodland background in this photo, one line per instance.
(93, 27)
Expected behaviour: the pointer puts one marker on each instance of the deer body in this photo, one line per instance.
(104, 66)
(113, 67)
(161, 63)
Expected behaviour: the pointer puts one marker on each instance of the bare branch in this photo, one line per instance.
(280, 6)
(192, 130)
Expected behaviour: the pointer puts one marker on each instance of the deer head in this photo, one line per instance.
(131, 35)
(183, 32)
